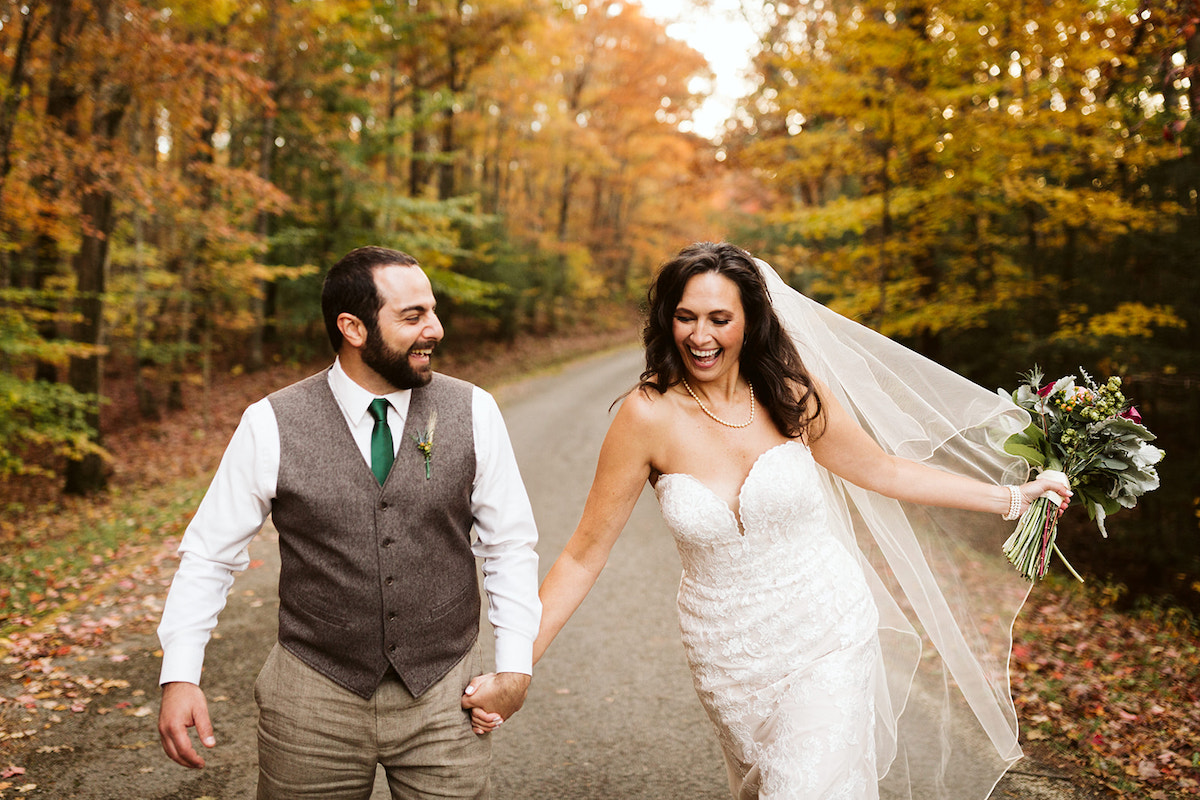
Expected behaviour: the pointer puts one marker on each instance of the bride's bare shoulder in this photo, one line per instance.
(646, 405)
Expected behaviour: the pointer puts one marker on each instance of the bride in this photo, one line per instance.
(812, 578)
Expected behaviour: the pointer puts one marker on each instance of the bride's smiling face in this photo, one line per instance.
(709, 326)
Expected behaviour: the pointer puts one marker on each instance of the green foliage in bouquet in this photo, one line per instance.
(1091, 434)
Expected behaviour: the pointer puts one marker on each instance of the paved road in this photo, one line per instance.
(611, 714)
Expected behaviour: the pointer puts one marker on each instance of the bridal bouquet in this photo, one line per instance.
(1094, 440)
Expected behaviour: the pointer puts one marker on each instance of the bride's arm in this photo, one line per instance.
(846, 450)
(622, 470)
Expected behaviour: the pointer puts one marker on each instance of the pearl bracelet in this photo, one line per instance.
(1014, 502)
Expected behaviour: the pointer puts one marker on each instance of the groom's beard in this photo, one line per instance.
(392, 365)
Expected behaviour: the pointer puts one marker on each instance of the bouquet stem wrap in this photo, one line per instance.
(1031, 543)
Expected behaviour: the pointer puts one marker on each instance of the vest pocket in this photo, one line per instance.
(304, 603)
(446, 608)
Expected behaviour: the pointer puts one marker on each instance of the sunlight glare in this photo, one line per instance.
(723, 36)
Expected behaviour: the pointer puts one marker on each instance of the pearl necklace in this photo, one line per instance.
(704, 408)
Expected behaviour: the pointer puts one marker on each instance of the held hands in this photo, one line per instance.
(493, 698)
(183, 707)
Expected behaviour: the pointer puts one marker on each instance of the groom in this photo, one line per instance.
(375, 473)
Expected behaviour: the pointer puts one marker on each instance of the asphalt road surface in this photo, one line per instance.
(611, 713)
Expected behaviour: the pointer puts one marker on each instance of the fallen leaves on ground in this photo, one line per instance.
(1117, 693)
(55, 667)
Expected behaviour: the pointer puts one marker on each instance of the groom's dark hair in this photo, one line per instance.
(349, 288)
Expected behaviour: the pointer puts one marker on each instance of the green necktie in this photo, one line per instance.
(382, 454)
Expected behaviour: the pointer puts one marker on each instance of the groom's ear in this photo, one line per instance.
(354, 332)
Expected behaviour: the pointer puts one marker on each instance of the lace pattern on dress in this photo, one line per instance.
(779, 628)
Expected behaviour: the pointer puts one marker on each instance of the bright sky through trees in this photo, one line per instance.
(721, 33)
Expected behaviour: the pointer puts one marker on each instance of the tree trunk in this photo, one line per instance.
(18, 79)
(62, 102)
(266, 155)
(146, 401)
(86, 474)
(418, 165)
(175, 387)
(446, 182)
(192, 264)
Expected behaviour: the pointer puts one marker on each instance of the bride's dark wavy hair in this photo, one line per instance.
(769, 358)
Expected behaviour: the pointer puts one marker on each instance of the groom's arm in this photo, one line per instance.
(213, 548)
(505, 539)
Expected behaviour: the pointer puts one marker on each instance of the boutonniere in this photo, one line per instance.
(425, 443)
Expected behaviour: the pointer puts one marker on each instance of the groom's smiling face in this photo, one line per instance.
(399, 346)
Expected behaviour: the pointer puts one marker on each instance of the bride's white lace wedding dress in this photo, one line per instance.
(815, 611)
(779, 628)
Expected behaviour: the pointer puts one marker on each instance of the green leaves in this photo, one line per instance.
(37, 417)
(1030, 444)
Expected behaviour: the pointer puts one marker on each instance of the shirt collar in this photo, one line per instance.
(355, 400)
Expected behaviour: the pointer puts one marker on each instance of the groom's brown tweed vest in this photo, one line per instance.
(375, 575)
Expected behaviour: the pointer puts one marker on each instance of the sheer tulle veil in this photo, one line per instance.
(946, 724)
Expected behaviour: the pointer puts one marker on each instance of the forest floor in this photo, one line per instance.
(1110, 699)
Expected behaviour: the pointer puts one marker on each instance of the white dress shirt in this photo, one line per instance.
(239, 500)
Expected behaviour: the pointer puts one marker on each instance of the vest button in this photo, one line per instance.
(386, 542)
(388, 580)
(383, 505)
(391, 615)
(391, 648)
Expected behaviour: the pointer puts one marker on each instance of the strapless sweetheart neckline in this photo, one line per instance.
(735, 514)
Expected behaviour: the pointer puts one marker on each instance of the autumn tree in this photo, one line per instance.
(38, 414)
(174, 176)
(966, 174)
(86, 166)
(930, 159)
(586, 152)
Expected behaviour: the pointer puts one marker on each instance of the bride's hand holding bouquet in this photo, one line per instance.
(1092, 437)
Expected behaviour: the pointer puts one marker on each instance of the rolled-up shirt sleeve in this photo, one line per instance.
(214, 546)
(506, 536)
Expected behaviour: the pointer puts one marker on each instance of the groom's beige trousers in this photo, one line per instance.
(318, 740)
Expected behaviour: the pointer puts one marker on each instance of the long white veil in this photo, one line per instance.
(946, 724)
